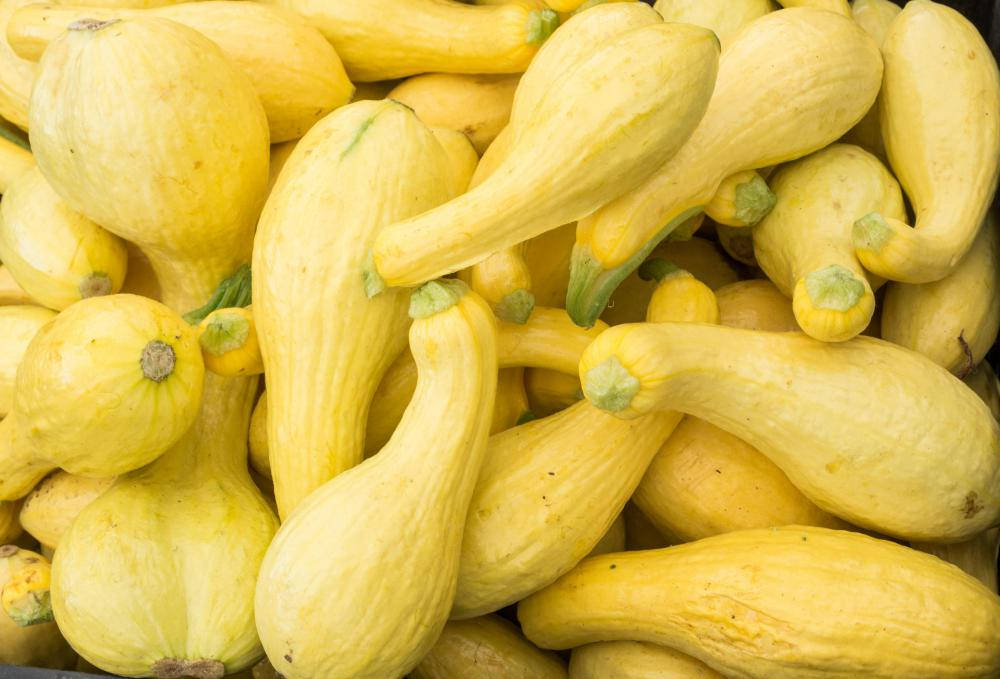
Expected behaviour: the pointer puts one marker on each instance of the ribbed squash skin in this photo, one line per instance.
(52, 506)
(635, 660)
(793, 602)
(365, 166)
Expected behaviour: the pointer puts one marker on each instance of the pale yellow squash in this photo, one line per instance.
(488, 647)
(10, 291)
(839, 6)
(229, 345)
(462, 157)
(15, 160)
(635, 660)
(795, 602)
(24, 597)
(16, 74)
(18, 326)
(104, 388)
(678, 296)
(940, 94)
(140, 279)
(725, 17)
(475, 105)
(52, 506)
(295, 72)
(426, 36)
(511, 403)
(364, 166)
(550, 391)
(10, 523)
(38, 645)
(421, 481)
(743, 199)
(977, 557)
(755, 305)
(824, 69)
(952, 321)
(640, 117)
(873, 450)
(805, 244)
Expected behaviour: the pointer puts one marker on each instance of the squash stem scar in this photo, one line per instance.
(610, 386)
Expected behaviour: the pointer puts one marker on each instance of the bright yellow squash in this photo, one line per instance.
(755, 305)
(387, 39)
(849, 423)
(462, 157)
(475, 105)
(52, 506)
(940, 94)
(180, 170)
(229, 346)
(10, 291)
(18, 326)
(795, 602)
(424, 477)
(724, 17)
(627, 119)
(824, 69)
(106, 387)
(295, 72)
(977, 557)
(952, 321)
(635, 660)
(488, 647)
(365, 166)
(804, 245)
(743, 199)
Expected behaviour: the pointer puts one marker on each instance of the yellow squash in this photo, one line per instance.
(10, 524)
(952, 321)
(140, 278)
(18, 326)
(826, 72)
(295, 72)
(462, 157)
(52, 506)
(260, 461)
(421, 482)
(364, 166)
(15, 160)
(550, 391)
(229, 346)
(849, 423)
(475, 105)
(24, 597)
(839, 6)
(38, 645)
(743, 199)
(805, 244)
(639, 117)
(755, 305)
(106, 387)
(795, 602)
(488, 647)
(940, 94)
(10, 291)
(16, 74)
(180, 171)
(977, 557)
(635, 660)
(511, 405)
(725, 17)
(386, 39)
(547, 257)
(678, 296)
(613, 539)
(983, 381)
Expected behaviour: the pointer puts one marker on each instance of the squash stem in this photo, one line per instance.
(235, 291)
(871, 232)
(516, 307)
(541, 24)
(753, 200)
(610, 386)
(436, 296)
(835, 288)
(225, 332)
(373, 282)
(95, 285)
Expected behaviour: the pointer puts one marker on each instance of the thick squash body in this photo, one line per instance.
(488, 647)
(52, 506)
(795, 602)
(229, 346)
(10, 291)
(426, 36)
(850, 423)
(755, 305)
(952, 321)
(462, 157)
(422, 481)
(804, 245)
(57, 255)
(16, 74)
(635, 660)
(822, 65)
(938, 106)
(20, 324)
(364, 166)
(145, 127)
(15, 159)
(627, 119)
(724, 17)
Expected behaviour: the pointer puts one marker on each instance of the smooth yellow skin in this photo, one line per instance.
(10, 524)
(820, 60)
(643, 114)
(704, 482)
(940, 92)
(24, 597)
(424, 36)
(952, 321)
(682, 297)
(421, 481)
(462, 157)
(38, 645)
(294, 70)
(259, 459)
(635, 660)
(84, 401)
(365, 166)
(613, 539)
(550, 391)
(839, 6)
(10, 292)
(755, 305)
(725, 17)
(184, 112)
(727, 203)
(52, 506)
(58, 256)
(16, 74)
(475, 105)
(161, 567)
(977, 557)
(20, 324)
(229, 346)
(809, 231)
(14, 161)
(488, 647)
(874, 450)
(792, 602)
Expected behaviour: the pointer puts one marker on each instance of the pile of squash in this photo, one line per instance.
(600, 340)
